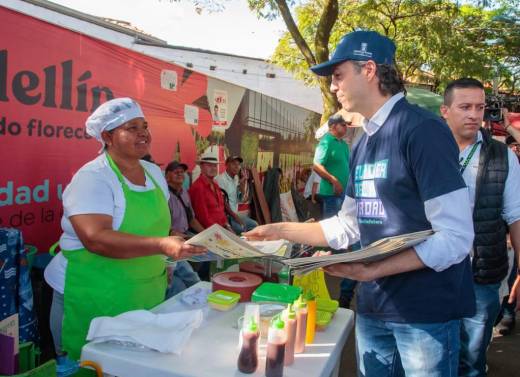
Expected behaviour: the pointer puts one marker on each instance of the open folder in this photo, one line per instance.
(224, 244)
(377, 250)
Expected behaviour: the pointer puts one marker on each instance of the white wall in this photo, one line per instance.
(229, 68)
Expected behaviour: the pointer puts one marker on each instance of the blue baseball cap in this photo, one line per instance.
(359, 45)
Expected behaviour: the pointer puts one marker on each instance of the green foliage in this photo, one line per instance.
(201, 144)
(249, 148)
(318, 52)
(264, 8)
(437, 40)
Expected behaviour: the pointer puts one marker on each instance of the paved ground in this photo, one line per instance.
(503, 354)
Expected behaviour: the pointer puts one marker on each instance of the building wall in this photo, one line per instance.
(229, 68)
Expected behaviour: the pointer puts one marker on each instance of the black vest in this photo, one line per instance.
(490, 263)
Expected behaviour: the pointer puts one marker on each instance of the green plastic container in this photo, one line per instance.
(28, 357)
(223, 300)
(322, 320)
(45, 370)
(327, 305)
(276, 293)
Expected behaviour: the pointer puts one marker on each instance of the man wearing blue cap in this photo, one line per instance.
(404, 178)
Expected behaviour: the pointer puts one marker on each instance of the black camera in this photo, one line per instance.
(493, 110)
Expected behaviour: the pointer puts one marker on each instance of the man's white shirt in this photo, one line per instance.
(449, 214)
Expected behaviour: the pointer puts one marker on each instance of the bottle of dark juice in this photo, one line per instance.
(275, 349)
(248, 357)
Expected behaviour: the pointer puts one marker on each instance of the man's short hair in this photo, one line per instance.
(390, 80)
(336, 119)
(174, 165)
(463, 83)
(234, 158)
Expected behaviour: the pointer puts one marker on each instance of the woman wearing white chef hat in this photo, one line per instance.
(115, 224)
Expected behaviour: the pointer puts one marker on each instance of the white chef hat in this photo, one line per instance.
(111, 115)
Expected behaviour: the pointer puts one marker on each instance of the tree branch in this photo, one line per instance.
(295, 32)
(327, 20)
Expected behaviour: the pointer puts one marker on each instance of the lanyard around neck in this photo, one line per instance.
(464, 165)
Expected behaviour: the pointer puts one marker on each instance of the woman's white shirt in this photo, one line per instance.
(95, 189)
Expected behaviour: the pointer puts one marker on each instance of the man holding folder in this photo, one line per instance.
(404, 178)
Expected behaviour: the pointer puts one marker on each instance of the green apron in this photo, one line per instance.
(99, 286)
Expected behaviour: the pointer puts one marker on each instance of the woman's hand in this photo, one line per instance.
(264, 233)
(176, 248)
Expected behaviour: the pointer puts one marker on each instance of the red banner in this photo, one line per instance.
(51, 79)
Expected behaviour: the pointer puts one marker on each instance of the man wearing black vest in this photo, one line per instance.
(492, 174)
(404, 178)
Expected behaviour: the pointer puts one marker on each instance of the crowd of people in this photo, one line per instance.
(427, 311)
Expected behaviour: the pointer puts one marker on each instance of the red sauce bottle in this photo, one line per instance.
(276, 340)
(248, 357)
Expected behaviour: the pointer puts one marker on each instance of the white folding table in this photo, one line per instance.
(212, 350)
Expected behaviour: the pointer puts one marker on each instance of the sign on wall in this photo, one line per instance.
(51, 79)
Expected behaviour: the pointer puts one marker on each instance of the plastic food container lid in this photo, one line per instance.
(222, 297)
(276, 292)
(327, 305)
(323, 318)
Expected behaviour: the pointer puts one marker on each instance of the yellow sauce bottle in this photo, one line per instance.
(311, 318)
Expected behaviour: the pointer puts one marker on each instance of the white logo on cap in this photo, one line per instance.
(363, 51)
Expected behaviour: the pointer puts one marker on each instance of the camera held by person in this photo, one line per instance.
(493, 110)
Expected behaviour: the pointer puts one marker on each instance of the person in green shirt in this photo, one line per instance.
(331, 164)
(331, 161)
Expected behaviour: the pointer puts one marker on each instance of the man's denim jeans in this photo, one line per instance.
(476, 331)
(183, 277)
(391, 349)
(249, 224)
(331, 205)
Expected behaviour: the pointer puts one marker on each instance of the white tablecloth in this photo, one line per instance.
(213, 349)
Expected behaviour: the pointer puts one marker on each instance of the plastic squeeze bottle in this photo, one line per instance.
(311, 318)
(301, 325)
(276, 340)
(283, 275)
(248, 357)
(290, 331)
